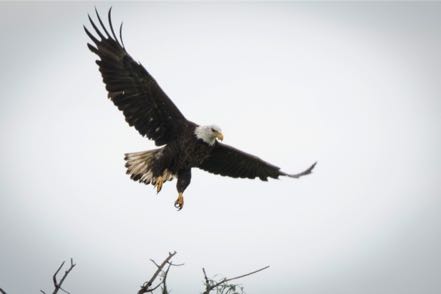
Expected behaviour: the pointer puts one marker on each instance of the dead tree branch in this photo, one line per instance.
(159, 277)
(58, 284)
(147, 286)
(210, 285)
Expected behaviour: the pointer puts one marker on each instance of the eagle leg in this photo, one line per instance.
(179, 203)
(159, 183)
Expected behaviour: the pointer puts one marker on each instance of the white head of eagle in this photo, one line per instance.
(209, 133)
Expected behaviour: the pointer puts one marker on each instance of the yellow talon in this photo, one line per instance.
(179, 203)
(158, 185)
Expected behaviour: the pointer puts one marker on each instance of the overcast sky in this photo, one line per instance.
(354, 86)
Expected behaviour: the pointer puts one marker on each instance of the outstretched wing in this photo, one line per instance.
(132, 89)
(228, 161)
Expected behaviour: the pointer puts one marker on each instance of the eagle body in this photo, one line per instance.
(189, 151)
(175, 158)
(183, 144)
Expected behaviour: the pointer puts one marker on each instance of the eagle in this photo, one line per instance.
(182, 144)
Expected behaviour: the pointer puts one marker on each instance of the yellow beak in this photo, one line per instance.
(220, 136)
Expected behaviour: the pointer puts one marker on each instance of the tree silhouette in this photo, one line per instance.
(158, 281)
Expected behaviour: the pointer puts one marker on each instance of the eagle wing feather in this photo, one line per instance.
(228, 161)
(132, 89)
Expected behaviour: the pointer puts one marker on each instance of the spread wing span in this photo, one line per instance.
(228, 161)
(132, 89)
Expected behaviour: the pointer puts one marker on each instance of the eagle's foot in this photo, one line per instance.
(158, 184)
(179, 203)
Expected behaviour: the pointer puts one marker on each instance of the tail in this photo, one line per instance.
(139, 166)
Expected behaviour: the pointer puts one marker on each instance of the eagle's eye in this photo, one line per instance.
(213, 130)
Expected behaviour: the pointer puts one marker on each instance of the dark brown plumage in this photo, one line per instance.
(133, 90)
(228, 161)
(146, 107)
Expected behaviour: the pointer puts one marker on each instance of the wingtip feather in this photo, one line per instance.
(301, 174)
(93, 49)
(92, 37)
(109, 16)
(101, 23)
(96, 28)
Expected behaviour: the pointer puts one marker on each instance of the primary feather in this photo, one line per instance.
(133, 90)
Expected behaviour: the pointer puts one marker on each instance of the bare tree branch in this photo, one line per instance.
(211, 284)
(145, 288)
(162, 271)
(154, 262)
(164, 279)
(207, 281)
(58, 284)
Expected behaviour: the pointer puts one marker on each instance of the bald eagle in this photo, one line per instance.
(183, 144)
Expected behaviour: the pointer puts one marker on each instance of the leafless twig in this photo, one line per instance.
(164, 279)
(58, 284)
(210, 285)
(147, 286)
(221, 287)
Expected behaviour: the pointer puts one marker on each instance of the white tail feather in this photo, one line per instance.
(139, 166)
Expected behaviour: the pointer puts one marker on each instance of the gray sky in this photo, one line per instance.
(354, 86)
